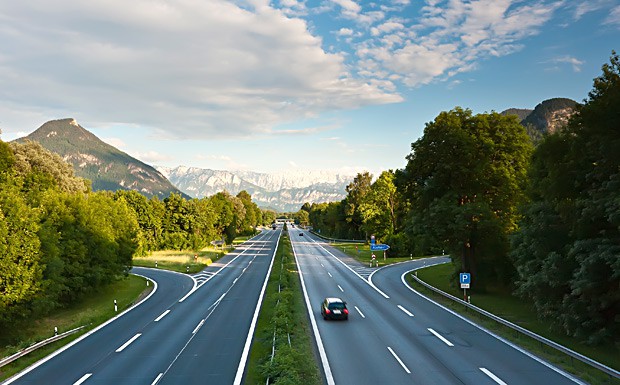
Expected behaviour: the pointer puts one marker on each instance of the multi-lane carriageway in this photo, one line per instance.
(198, 330)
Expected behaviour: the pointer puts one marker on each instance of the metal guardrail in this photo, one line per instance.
(31, 348)
(595, 364)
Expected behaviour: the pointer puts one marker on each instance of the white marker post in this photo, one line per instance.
(115, 307)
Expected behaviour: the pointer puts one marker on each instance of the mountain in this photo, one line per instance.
(107, 167)
(522, 113)
(547, 117)
(551, 114)
(284, 192)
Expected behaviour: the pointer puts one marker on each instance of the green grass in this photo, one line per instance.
(179, 261)
(91, 311)
(362, 253)
(296, 361)
(499, 302)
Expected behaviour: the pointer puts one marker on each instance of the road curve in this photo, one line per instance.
(190, 331)
(395, 336)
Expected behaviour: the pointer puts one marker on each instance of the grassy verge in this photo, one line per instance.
(502, 304)
(92, 311)
(284, 311)
(362, 253)
(180, 261)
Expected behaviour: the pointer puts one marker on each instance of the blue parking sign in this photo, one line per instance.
(465, 280)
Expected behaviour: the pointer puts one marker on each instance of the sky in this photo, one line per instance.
(288, 85)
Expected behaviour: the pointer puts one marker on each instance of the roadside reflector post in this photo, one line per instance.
(156, 264)
(115, 306)
(55, 330)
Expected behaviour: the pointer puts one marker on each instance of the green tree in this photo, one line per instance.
(20, 267)
(463, 181)
(567, 251)
(356, 194)
(45, 167)
(378, 209)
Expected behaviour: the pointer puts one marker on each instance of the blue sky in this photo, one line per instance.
(288, 85)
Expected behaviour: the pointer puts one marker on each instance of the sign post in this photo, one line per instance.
(465, 280)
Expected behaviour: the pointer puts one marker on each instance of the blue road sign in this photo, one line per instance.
(465, 279)
(379, 247)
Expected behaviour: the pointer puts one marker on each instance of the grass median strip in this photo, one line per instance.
(283, 325)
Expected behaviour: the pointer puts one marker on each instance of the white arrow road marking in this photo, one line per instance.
(128, 343)
(405, 311)
(399, 361)
(493, 376)
(162, 315)
(440, 337)
(84, 378)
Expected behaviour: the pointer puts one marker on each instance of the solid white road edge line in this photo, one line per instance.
(329, 377)
(493, 376)
(162, 315)
(405, 311)
(359, 311)
(128, 343)
(518, 348)
(84, 378)
(248, 340)
(353, 271)
(157, 379)
(196, 286)
(399, 361)
(198, 327)
(445, 341)
(70, 344)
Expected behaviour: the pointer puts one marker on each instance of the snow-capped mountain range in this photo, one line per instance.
(283, 191)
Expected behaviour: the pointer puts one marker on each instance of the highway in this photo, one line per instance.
(395, 336)
(192, 330)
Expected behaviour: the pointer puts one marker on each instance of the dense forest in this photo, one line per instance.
(544, 219)
(60, 241)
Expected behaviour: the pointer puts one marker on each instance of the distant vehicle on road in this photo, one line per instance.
(334, 308)
(301, 234)
(273, 226)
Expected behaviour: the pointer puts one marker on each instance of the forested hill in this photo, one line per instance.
(104, 165)
(547, 117)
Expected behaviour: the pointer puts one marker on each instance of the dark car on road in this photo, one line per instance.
(334, 308)
(301, 234)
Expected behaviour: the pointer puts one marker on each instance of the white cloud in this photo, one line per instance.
(151, 157)
(583, 7)
(345, 32)
(450, 37)
(186, 69)
(116, 142)
(614, 17)
(386, 27)
(574, 62)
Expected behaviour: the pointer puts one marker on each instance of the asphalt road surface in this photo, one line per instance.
(395, 336)
(192, 330)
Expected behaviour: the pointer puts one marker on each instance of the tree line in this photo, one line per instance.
(60, 241)
(543, 221)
